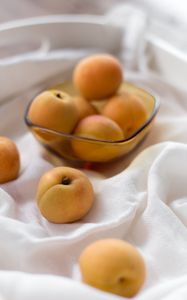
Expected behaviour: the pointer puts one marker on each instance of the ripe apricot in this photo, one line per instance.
(96, 127)
(113, 266)
(97, 76)
(54, 110)
(128, 111)
(84, 107)
(9, 160)
(64, 195)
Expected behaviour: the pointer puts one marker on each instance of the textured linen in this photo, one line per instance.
(142, 199)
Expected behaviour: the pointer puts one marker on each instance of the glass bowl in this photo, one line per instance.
(95, 150)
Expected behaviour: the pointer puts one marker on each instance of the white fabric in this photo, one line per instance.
(141, 199)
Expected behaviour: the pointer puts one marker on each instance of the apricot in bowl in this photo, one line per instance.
(98, 76)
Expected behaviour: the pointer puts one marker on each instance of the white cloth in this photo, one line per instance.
(141, 199)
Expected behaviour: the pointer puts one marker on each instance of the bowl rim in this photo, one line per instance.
(156, 107)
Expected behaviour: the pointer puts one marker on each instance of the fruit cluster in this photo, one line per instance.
(65, 194)
(101, 111)
(98, 78)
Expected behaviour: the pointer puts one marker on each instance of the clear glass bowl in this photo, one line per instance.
(96, 150)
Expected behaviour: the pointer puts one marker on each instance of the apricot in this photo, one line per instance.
(64, 195)
(9, 160)
(98, 76)
(84, 107)
(113, 266)
(96, 127)
(128, 111)
(99, 127)
(54, 110)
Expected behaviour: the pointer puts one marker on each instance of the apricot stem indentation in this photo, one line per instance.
(66, 181)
